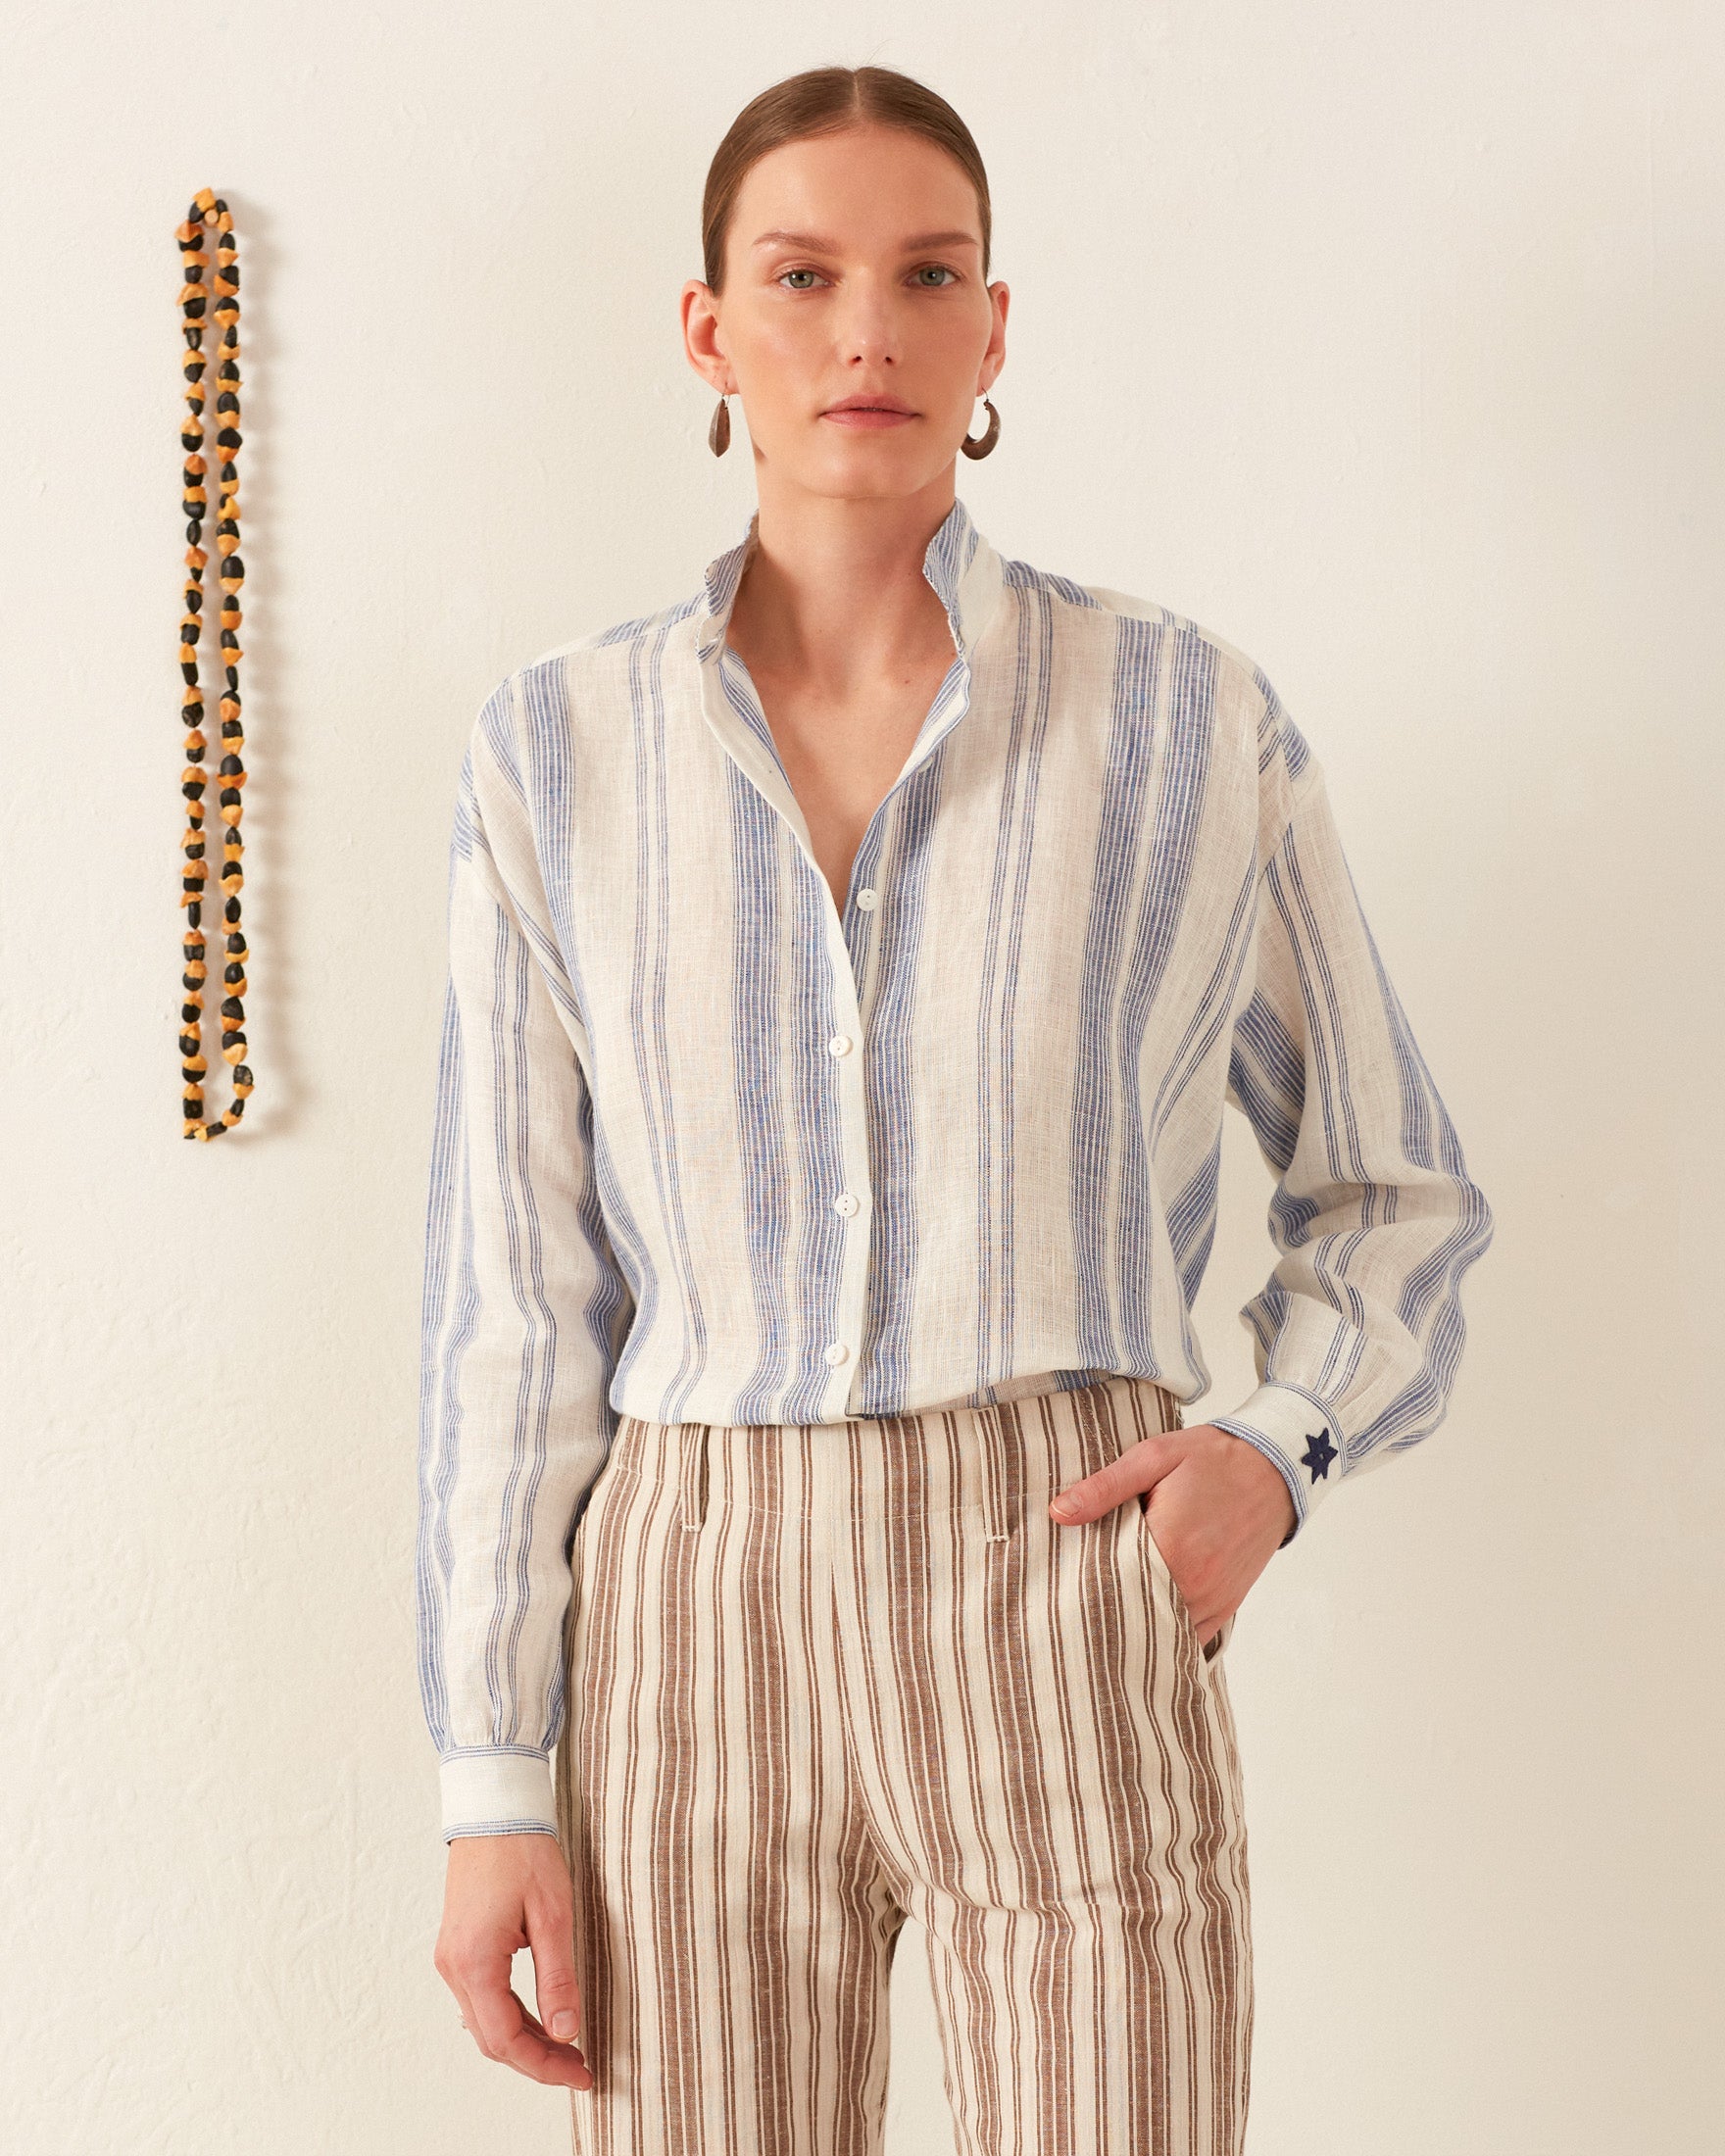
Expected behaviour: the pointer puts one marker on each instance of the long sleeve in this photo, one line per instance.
(1359, 1331)
(524, 1312)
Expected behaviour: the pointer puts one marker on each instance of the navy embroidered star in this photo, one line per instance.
(1318, 1454)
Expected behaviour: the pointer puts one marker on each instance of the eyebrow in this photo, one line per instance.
(819, 246)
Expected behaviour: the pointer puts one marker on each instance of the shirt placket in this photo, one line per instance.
(734, 712)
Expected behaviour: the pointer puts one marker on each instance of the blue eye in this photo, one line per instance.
(796, 274)
(944, 269)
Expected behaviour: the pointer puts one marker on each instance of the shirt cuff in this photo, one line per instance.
(1296, 1432)
(489, 1790)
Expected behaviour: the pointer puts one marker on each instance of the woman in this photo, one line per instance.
(849, 967)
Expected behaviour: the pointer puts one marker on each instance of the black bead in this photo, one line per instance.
(228, 795)
(229, 437)
(191, 532)
(228, 527)
(227, 401)
(189, 670)
(230, 764)
(242, 1076)
(234, 566)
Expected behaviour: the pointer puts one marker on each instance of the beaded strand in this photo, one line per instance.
(209, 212)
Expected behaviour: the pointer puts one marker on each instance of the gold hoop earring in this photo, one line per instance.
(719, 433)
(981, 446)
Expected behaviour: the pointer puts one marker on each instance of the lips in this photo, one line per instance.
(868, 416)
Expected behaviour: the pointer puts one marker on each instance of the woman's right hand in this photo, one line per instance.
(504, 1893)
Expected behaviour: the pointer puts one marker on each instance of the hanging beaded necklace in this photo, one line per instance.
(209, 212)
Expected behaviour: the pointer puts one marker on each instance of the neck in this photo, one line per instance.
(834, 590)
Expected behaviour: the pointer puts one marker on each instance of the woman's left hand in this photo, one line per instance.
(1218, 1515)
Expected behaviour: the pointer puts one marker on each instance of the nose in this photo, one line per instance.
(869, 327)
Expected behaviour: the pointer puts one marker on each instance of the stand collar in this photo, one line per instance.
(960, 564)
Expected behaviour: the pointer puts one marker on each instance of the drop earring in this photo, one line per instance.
(719, 433)
(981, 446)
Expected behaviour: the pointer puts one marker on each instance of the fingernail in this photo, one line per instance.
(562, 2025)
(1066, 1507)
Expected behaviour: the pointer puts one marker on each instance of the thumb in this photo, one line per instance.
(1139, 1467)
(549, 1921)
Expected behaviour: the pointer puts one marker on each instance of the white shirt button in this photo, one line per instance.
(868, 899)
(839, 1045)
(848, 1202)
(836, 1352)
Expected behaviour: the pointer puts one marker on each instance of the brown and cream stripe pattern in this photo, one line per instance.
(825, 1678)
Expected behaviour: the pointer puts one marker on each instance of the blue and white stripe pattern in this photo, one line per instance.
(709, 1149)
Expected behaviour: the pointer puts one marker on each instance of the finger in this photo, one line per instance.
(499, 2021)
(514, 2037)
(1137, 1469)
(470, 2021)
(550, 1925)
(1207, 1628)
(562, 2048)
(550, 2061)
(461, 1992)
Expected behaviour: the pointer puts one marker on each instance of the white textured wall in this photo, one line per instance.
(1384, 341)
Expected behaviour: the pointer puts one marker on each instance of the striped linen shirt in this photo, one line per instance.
(709, 1148)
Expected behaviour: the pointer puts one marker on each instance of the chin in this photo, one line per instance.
(875, 471)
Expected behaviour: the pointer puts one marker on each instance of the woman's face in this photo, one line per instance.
(853, 268)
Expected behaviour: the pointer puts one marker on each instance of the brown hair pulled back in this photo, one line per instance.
(825, 101)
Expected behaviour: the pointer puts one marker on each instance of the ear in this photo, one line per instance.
(703, 338)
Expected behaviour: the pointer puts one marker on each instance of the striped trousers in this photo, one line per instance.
(825, 1678)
